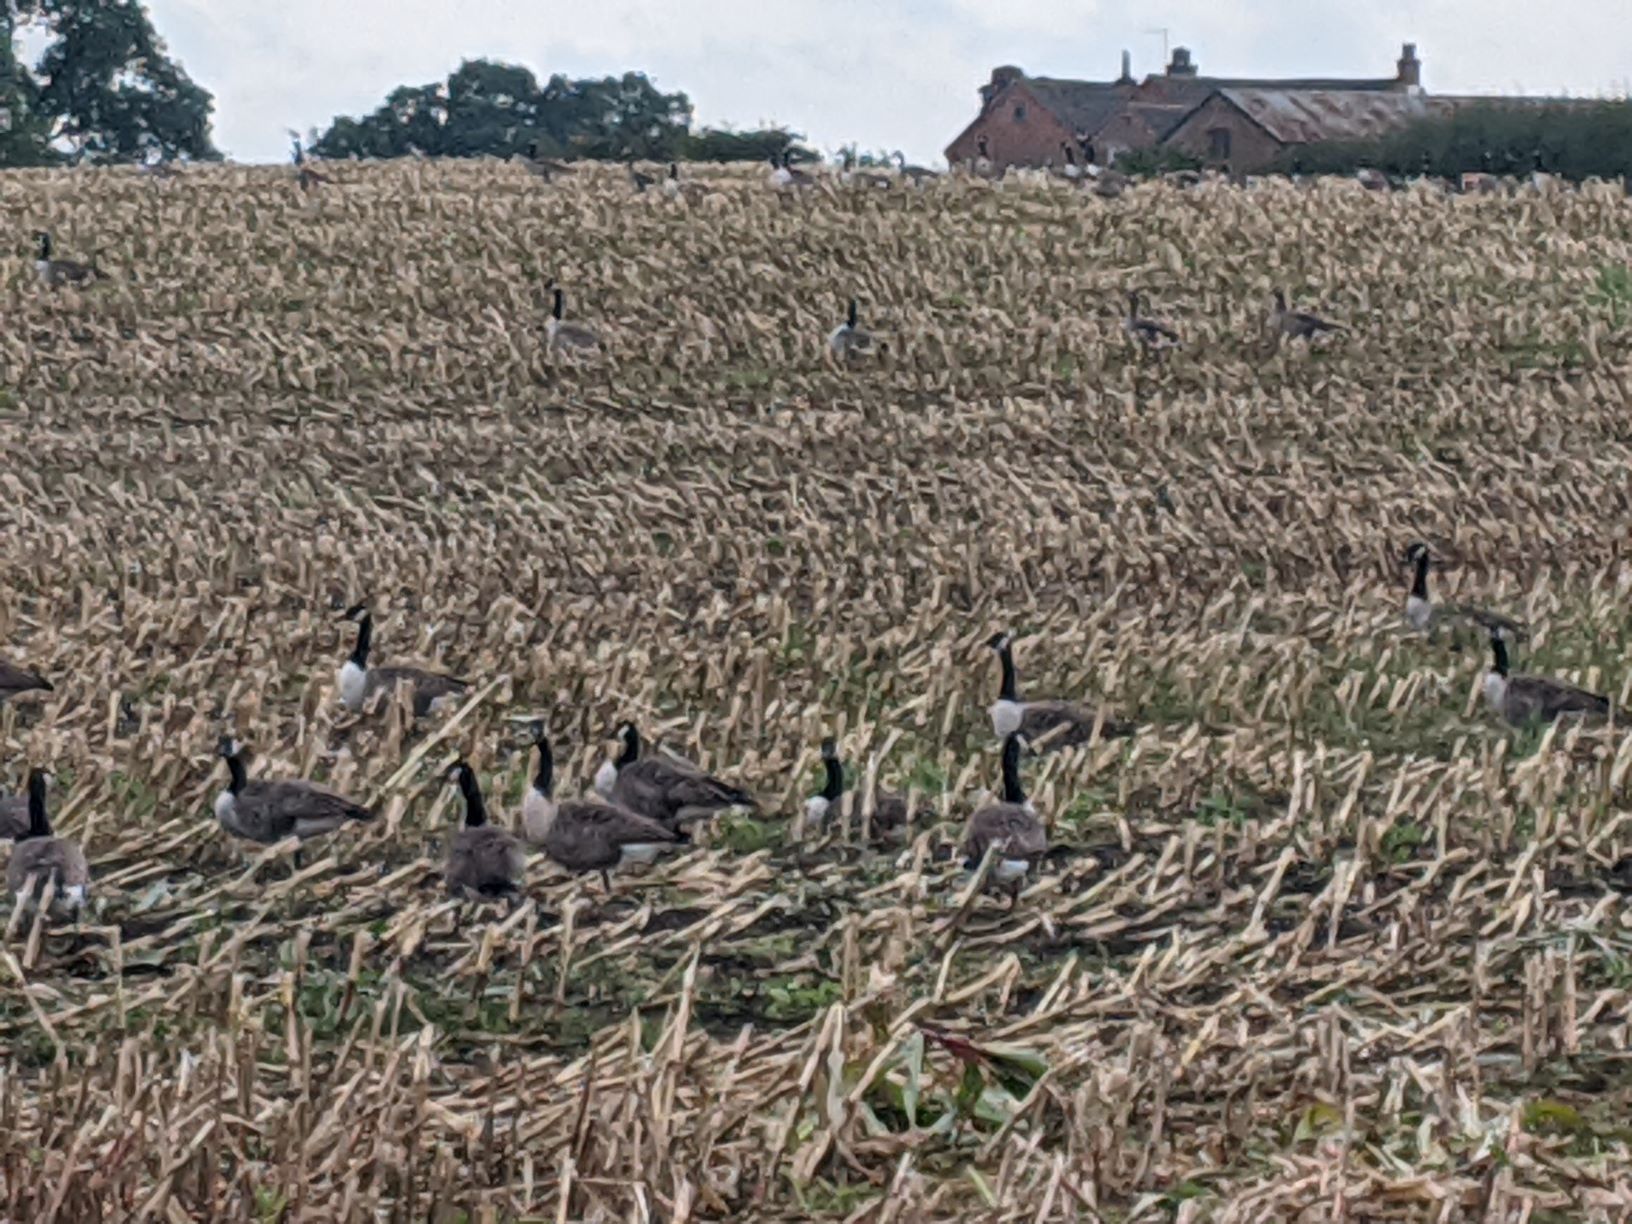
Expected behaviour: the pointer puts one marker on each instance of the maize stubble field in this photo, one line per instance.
(1323, 940)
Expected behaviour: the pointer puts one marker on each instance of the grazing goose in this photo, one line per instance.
(42, 857)
(1147, 333)
(267, 811)
(585, 835)
(1422, 613)
(563, 335)
(638, 179)
(54, 272)
(360, 684)
(1011, 825)
(484, 861)
(1522, 700)
(1051, 724)
(542, 167)
(850, 341)
(668, 791)
(890, 812)
(15, 680)
(1297, 324)
(784, 177)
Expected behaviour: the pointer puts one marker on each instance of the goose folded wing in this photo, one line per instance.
(1552, 700)
(18, 679)
(46, 859)
(1063, 724)
(1013, 829)
(429, 687)
(304, 809)
(615, 825)
(485, 861)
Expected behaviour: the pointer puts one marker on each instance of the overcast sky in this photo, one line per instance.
(887, 74)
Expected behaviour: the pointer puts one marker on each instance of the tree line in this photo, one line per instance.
(103, 89)
(490, 109)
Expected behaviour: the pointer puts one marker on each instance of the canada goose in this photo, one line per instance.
(1011, 825)
(47, 859)
(1297, 324)
(1534, 699)
(1049, 724)
(1372, 180)
(1422, 613)
(359, 683)
(674, 186)
(585, 835)
(267, 811)
(484, 861)
(54, 272)
(982, 164)
(917, 175)
(1110, 184)
(15, 680)
(561, 334)
(784, 177)
(890, 812)
(638, 179)
(545, 168)
(1148, 333)
(1071, 172)
(850, 341)
(305, 176)
(668, 791)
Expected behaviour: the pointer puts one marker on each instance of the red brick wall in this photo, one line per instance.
(1251, 148)
(1122, 133)
(1031, 140)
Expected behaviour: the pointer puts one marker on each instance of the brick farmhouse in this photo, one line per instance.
(1240, 124)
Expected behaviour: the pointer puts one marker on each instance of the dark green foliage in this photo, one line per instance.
(488, 109)
(491, 109)
(1575, 140)
(724, 145)
(104, 89)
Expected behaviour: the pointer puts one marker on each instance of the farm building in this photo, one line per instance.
(1243, 123)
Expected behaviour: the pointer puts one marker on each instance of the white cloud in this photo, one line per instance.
(886, 73)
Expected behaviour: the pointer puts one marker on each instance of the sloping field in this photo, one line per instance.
(1324, 941)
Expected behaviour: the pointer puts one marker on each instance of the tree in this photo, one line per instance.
(104, 89)
(489, 109)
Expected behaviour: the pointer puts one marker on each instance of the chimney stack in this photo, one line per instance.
(1182, 65)
(1127, 69)
(1002, 78)
(1409, 69)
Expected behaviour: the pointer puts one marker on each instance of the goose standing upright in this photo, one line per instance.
(889, 814)
(484, 861)
(1525, 700)
(668, 791)
(1048, 724)
(849, 340)
(15, 680)
(266, 811)
(360, 684)
(1422, 613)
(1011, 825)
(585, 835)
(44, 858)
(560, 334)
